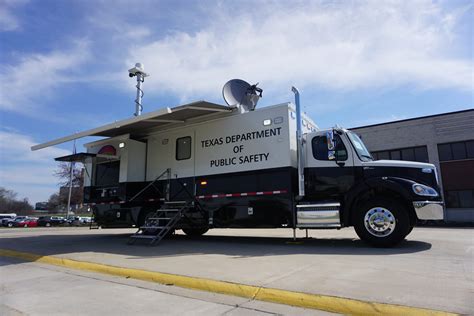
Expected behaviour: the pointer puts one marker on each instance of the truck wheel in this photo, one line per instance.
(195, 232)
(382, 222)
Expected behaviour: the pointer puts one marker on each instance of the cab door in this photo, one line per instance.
(325, 179)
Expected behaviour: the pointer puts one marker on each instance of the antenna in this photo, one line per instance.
(139, 72)
(239, 93)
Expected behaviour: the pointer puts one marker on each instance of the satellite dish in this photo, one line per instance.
(240, 93)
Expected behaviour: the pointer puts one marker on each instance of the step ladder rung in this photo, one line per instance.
(176, 202)
(175, 210)
(143, 236)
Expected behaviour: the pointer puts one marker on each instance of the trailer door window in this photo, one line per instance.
(107, 174)
(320, 148)
(183, 148)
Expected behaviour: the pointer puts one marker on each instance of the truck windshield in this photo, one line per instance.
(359, 146)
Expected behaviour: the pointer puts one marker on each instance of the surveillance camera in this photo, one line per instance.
(137, 70)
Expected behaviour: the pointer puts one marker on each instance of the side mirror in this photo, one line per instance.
(331, 145)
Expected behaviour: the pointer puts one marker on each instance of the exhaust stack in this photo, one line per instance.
(299, 142)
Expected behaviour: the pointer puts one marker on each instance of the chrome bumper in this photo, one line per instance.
(429, 210)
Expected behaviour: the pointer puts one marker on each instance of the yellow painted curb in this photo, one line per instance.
(299, 299)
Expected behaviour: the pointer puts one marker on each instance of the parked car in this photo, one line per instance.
(51, 221)
(79, 220)
(11, 222)
(26, 222)
(4, 218)
(86, 220)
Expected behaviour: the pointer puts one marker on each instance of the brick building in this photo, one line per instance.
(445, 140)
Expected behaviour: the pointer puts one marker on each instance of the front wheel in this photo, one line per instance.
(382, 222)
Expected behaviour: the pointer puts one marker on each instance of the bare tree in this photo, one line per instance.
(10, 204)
(63, 173)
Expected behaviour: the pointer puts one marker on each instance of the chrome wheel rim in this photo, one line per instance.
(379, 222)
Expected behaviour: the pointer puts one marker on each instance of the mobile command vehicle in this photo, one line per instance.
(202, 165)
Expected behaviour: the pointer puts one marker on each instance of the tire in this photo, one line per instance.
(195, 232)
(10, 224)
(48, 225)
(382, 222)
(26, 225)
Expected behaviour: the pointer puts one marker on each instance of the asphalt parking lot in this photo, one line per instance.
(432, 269)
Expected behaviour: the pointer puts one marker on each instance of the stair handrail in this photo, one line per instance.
(168, 173)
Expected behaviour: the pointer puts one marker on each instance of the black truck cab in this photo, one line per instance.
(382, 199)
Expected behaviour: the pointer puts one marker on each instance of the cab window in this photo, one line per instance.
(320, 148)
(183, 148)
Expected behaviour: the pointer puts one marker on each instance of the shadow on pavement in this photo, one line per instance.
(181, 245)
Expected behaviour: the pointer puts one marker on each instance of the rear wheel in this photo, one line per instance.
(195, 232)
(382, 222)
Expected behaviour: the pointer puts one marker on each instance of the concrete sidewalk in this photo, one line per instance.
(38, 289)
(433, 269)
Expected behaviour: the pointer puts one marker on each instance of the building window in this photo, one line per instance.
(459, 199)
(319, 146)
(456, 151)
(419, 154)
(183, 148)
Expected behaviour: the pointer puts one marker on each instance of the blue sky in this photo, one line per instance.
(63, 64)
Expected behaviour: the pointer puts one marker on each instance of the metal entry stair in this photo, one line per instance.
(159, 223)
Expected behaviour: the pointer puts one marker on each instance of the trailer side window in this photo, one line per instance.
(183, 148)
(107, 174)
(320, 148)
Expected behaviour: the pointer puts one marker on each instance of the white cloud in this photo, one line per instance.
(26, 172)
(335, 46)
(27, 84)
(8, 20)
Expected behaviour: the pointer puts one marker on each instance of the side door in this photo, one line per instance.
(182, 165)
(327, 179)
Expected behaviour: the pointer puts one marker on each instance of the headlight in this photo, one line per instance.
(424, 190)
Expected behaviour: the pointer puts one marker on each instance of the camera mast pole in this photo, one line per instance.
(139, 72)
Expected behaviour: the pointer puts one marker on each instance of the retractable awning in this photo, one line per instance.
(86, 157)
(137, 126)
